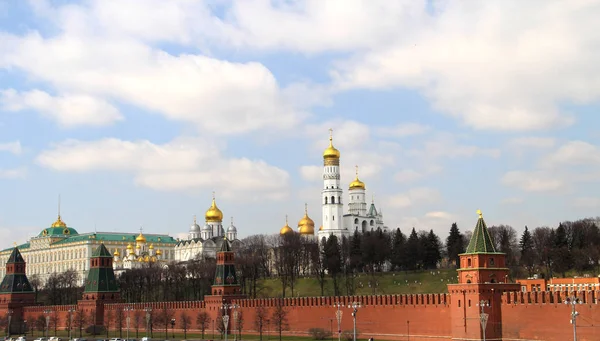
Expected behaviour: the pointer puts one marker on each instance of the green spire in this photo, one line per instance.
(15, 281)
(101, 277)
(481, 242)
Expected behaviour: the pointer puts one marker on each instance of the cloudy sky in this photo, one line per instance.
(135, 111)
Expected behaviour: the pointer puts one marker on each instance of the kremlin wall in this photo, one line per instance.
(483, 278)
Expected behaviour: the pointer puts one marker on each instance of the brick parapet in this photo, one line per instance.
(378, 300)
(548, 297)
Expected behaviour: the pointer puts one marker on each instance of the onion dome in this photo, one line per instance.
(331, 156)
(117, 253)
(129, 247)
(321, 228)
(306, 225)
(231, 227)
(140, 238)
(286, 229)
(357, 184)
(213, 214)
(195, 227)
(151, 247)
(158, 252)
(58, 223)
(138, 246)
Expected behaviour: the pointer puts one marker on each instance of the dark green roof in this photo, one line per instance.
(117, 237)
(15, 257)
(58, 231)
(225, 246)
(372, 211)
(225, 274)
(101, 252)
(15, 283)
(480, 242)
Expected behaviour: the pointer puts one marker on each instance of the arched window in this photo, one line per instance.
(469, 262)
(325, 200)
(356, 221)
(339, 200)
(332, 199)
(371, 223)
(332, 217)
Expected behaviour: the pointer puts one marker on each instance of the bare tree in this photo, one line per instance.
(164, 318)
(54, 321)
(279, 319)
(287, 260)
(40, 323)
(137, 322)
(260, 319)
(80, 320)
(119, 319)
(110, 315)
(202, 320)
(239, 323)
(315, 254)
(184, 322)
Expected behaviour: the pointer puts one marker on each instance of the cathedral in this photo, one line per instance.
(206, 241)
(359, 215)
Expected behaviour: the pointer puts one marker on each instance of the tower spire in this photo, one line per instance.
(330, 135)
(306, 208)
(286, 220)
(59, 206)
(356, 168)
(195, 219)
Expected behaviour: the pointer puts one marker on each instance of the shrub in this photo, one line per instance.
(319, 333)
(349, 335)
(95, 330)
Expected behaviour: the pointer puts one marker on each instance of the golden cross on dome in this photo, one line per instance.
(306, 208)
(286, 219)
(480, 214)
(213, 195)
(15, 243)
(356, 167)
(141, 229)
(330, 134)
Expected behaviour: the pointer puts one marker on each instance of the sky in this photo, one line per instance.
(134, 112)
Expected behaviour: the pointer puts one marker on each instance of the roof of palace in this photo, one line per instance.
(103, 236)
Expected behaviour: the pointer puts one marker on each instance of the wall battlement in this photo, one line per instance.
(548, 297)
(364, 300)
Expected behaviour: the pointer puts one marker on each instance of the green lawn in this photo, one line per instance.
(388, 283)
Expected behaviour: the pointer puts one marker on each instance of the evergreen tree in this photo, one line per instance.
(382, 248)
(561, 257)
(355, 252)
(333, 261)
(432, 252)
(398, 250)
(412, 251)
(455, 245)
(527, 253)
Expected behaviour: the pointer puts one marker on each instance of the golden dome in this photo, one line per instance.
(286, 229)
(131, 252)
(117, 253)
(158, 252)
(129, 247)
(321, 228)
(331, 156)
(59, 223)
(153, 259)
(147, 259)
(151, 247)
(306, 225)
(138, 246)
(213, 214)
(357, 184)
(140, 238)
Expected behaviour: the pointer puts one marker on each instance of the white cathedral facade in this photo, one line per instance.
(359, 217)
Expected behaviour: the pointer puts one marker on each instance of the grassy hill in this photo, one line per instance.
(420, 282)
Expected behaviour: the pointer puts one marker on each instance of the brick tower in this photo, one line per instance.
(100, 286)
(226, 286)
(482, 278)
(15, 291)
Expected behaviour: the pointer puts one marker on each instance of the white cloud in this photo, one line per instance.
(11, 147)
(532, 142)
(414, 197)
(512, 201)
(178, 165)
(445, 145)
(573, 153)
(311, 173)
(14, 173)
(68, 110)
(411, 175)
(533, 181)
(403, 130)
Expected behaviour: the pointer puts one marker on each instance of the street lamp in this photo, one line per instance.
(127, 310)
(354, 306)
(225, 308)
(25, 327)
(338, 317)
(10, 312)
(573, 301)
(483, 317)
(47, 312)
(173, 328)
(71, 310)
(148, 311)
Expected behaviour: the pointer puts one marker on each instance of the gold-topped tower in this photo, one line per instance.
(357, 184)
(286, 229)
(306, 225)
(213, 214)
(331, 156)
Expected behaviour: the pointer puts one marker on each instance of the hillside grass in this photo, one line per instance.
(419, 282)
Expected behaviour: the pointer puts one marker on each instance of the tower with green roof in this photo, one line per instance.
(482, 278)
(15, 290)
(101, 285)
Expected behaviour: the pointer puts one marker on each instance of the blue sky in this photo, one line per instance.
(135, 111)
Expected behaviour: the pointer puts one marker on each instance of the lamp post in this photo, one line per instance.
(226, 307)
(127, 310)
(173, 328)
(71, 310)
(408, 330)
(148, 311)
(338, 317)
(354, 306)
(9, 312)
(25, 327)
(483, 317)
(47, 313)
(573, 301)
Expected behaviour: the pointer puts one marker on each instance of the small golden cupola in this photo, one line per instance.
(59, 223)
(213, 214)
(117, 253)
(286, 229)
(331, 156)
(357, 184)
(158, 252)
(140, 238)
(306, 225)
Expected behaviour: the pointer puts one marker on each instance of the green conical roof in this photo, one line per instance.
(225, 246)
(101, 252)
(15, 282)
(15, 256)
(480, 242)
